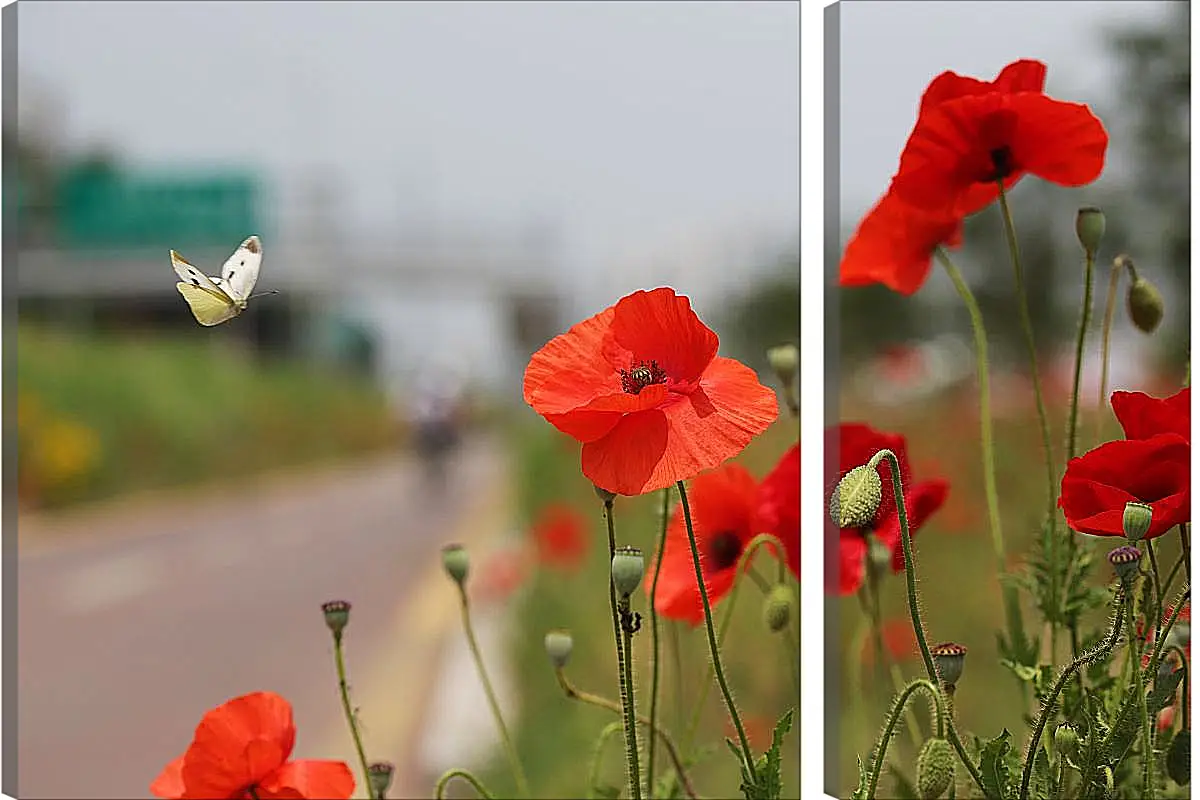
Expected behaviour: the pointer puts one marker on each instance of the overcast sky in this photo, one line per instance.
(631, 124)
(891, 50)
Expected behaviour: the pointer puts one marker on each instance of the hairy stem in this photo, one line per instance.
(347, 709)
(898, 707)
(440, 789)
(654, 649)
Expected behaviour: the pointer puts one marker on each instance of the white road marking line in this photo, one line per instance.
(110, 582)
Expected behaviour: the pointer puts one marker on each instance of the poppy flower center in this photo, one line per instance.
(1002, 162)
(723, 550)
(641, 375)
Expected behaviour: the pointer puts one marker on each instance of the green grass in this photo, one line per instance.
(173, 410)
(556, 736)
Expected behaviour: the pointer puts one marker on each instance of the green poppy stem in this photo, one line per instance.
(654, 649)
(461, 774)
(714, 650)
(344, 691)
(626, 691)
(1110, 306)
(898, 707)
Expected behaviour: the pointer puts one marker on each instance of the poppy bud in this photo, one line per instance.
(777, 608)
(1179, 757)
(1066, 741)
(935, 768)
(1089, 227)
(628, 566)
(604, 494)
(456, 562)
(337, 615)
(1136, 520)
(558, 647)
(949, 658)
(1125, 561)
(1145, 304)
(784, 360)
(379, 777)
(879, 556)
(855, 501)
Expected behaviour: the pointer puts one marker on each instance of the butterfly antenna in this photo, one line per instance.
(262, 294)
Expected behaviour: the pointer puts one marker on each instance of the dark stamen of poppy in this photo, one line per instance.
(642, 375)
(723, 550)
(1002, 162)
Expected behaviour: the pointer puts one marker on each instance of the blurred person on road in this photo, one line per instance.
(436, 422)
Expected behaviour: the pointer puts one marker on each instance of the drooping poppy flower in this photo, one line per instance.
(642, 387)
(723, 504)
(894, 245)
(961, 148)
(1155, 471)
(243, 746)
(560, 534)
(855, 444)
(1143, 416)
(779, 505)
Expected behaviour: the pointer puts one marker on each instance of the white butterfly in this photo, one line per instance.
(215, 300)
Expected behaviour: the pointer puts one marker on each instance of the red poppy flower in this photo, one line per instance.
(856, 444)
(960, 148)
(894, 244)
(561, 536)
(779, 505)
(243, 746)
(642, 386)
(898, 640)
(501, 574)
(723, 504)
(1025, 75)
(1143, 416)
(1155, 471)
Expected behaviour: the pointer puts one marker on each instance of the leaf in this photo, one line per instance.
(771, 784)
(1040, 781)
(860, 791)
(993, 766)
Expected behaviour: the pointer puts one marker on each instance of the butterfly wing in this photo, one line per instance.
(209, 306)
(240, 272)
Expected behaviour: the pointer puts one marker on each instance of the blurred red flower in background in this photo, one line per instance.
(855, 444)
(899, 641)
(723, 505)
(560, 533)
(1154, 471)
(779, 505)
(243, 746)
(642, 387)
(501, 573)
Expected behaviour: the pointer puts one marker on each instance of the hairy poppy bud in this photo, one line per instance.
(949, 658)
(337, 615)
(1089, 227)
(935, 768)
(1125, 561)
(628, 566)
(379, 777)
(1179, 757)
(456, 562)
(558, 647)
(1145, 304)
(784, 360)
(1066, 741)
(855, 501)
(777, 608)
(1136, 520)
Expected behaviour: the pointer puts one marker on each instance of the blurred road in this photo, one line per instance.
(162, 610)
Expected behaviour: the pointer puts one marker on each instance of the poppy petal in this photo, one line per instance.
(238, 743)
(690, 433)
(1025, 75)
(846, 568)
(316, 780)
(569, 371)
(660, 325)
(1142, 416)
(1060, 142)
(894, 244)
(920, 502)
(169, 783)
(779, 505)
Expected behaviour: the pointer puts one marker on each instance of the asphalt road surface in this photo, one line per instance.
(150, 615)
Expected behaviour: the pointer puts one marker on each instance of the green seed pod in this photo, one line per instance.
(379, 777)
(1179, 757)
(1089, 227)
(935, 768)
(456, 562)
(949, 658)
(628, 566)
(777, 608)
(1136, 520)
(1145, 304)
(1125, 560)
(1066, 741)
(337, 615)
(855, 501)
(558, 647)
